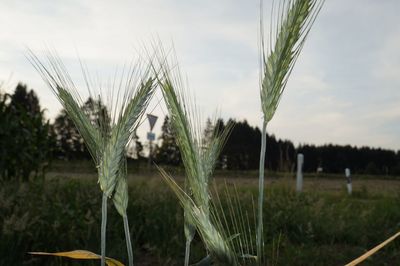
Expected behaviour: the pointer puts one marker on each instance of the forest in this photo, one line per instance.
(30, 141)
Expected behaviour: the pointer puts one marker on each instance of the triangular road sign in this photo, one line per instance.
(152, 120)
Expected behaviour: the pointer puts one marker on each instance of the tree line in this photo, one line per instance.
(242, 152)
(29, 142)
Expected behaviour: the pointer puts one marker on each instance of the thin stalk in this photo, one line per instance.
(187, 252)
(128, 240)
(103, 229)
(260, 242)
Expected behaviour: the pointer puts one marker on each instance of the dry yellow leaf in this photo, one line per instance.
(372, 251)
(80, 254)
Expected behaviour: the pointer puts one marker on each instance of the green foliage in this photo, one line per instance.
(168, 153)
(310, 229)
(364, 160)
(242, 149)
(241, 152)
(25, 140)
(69, 143)
(135, 148)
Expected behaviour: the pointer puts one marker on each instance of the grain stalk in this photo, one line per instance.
(294, 21)
(107, 140)
(199, 158)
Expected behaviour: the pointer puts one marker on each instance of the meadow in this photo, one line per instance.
(321, 226)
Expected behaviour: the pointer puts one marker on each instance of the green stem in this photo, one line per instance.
(128, 240)
(260, 243)
(103, 229)
(187, 252)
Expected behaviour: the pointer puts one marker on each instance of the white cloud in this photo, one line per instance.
(344, 88)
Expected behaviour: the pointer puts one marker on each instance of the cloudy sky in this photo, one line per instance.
(345, 88)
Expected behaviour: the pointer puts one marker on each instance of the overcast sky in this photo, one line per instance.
(345, 87)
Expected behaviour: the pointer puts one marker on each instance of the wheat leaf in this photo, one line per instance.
(216, 244)
(79, 254)
(120, 197)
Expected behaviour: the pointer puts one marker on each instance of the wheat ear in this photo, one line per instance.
(294, 21)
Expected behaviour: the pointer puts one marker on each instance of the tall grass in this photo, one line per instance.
(107, 139)
(315, 228)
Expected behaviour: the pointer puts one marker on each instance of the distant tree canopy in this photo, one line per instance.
(168, 152)
(24, 135)
(28, 142)
(365, 160)
(135, 148)
(69, 143)
(242, 150)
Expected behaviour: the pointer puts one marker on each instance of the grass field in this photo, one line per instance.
(322, 226)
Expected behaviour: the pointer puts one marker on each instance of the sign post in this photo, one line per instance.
(150, 135)
(348, 177)
(299, 176)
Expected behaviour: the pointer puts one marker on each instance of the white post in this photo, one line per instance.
(348, 177)
(299, 177)
(151, 136)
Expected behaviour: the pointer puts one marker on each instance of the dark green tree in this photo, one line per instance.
(168, 152)
(287, 154)
(24, 101)
(208, 131)
(135, 148)
(335, 158)
(69, 143)
(242, 148)
(25, 139)
(98, 114)
(242, 152)
(6, 124)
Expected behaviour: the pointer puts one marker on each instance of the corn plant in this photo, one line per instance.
(294, 21)
(107, 139)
